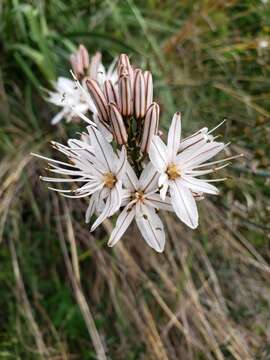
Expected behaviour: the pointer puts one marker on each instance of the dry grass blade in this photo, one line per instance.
(78, 293)
(25, 304)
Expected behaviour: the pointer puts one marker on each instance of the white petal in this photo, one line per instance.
(184, 204)
(148, 180)
(162, 179)
(164, 189)
(103, 129)
(126, 197)
(64, 84)
(59, 116)
(130, 179)
(122, 163)
(158, 154)
(102, 147)
(174, 136)
(154, 201)
(198, 185)
(91, 208)
(151, 227)
(190, 157)
(116, 197)
(105, 213)
(122, 223)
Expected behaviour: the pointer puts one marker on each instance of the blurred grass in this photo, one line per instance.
(208, 296)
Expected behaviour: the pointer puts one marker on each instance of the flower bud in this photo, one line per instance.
(118, 126)
(110, 92)
(125, 96)
(139, 95)
(150, 127)
(84, 56)
(99, 99)
(148, 88)
(94, 65)
(123, 62)
(80, 62)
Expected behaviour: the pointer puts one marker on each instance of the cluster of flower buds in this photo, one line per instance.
(126, 107)
(134, 170)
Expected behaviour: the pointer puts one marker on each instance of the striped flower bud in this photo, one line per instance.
(94, 66)
(77, 65)
(125, 96)
(118, 126)
(80, 62)
(84, 56)
(98, 98)
(148, 88)
(150, 126)
(123, 62)
(110, 92)
(139, 95)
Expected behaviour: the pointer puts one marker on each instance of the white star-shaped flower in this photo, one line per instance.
(141, 202)
(71, 98)
(179, 166)
(93, 162)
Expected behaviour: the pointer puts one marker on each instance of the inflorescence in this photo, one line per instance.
(120, 162)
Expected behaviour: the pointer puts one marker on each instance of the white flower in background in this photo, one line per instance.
(179, 170)
(141, 202)
(94, 163)
(71, 99)
(72, 96)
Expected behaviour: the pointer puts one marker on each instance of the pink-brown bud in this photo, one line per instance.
(125, 95)
(139, 95)
(84, 56)
(80, 62)
(118, 126)
(98, 98)
(94, 65)
(148, 89)
(150, 126)
(110, 92)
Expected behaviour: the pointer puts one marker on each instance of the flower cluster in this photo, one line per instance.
(121, 162)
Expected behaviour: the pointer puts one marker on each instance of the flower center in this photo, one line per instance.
(173, 172)
(139, 195)
(109, 180)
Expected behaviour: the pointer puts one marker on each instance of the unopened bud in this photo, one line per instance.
(80, 62)
(110, 92)
(139, 95)
(118, 126)
(123, 62)
(99, 99)
(94, 65)
(148, 88)
(125, 95)
(84, 56)
(150, 126)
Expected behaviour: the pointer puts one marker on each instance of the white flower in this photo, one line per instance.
(70, 97)
(141, 202)
(179, 170)
(94, 163)
(109, 74)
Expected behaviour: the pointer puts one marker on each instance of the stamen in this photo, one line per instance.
(109, 180)
(216, 127)
(219, 161)
(173, 172)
